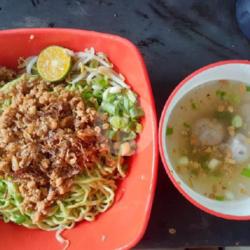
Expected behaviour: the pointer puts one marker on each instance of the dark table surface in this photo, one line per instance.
(175, 37)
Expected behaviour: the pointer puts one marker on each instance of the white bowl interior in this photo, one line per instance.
(232, 71)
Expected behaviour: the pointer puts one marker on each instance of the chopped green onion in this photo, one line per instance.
(129, 136)
(115, 121)
(110, 98)
(118, 122)
(19, 198)
(131, 95)
(19, 219)
(221, 94)
(2, 186)
(87, 95)
(111, 134)
(219, 198)
(101, 82)
(108, 107)
(237, 121)
(246, 171)
(169, 131)
(7, 102)
(126, 104)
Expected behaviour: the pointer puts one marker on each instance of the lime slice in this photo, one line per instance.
(53, 63)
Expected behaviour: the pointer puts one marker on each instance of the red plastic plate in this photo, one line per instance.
(123, 225)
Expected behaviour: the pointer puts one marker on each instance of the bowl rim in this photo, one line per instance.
(161, 146)
(155, 157)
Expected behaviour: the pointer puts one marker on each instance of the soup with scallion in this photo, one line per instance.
(208, 139)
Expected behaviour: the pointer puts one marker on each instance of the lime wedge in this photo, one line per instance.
(53, 63)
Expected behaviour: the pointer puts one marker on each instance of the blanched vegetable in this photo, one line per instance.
(19, 219)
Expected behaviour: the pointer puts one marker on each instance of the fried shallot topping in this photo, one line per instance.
(47, 137)
(6, 75)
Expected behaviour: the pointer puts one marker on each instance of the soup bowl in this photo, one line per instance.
(235, 70)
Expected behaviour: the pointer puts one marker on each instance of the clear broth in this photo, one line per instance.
(230, 179)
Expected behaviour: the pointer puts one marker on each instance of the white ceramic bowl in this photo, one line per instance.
(231, 70)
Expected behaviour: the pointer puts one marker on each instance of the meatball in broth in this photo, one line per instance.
(208, 139)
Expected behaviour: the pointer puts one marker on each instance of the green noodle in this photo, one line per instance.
(90, 195)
